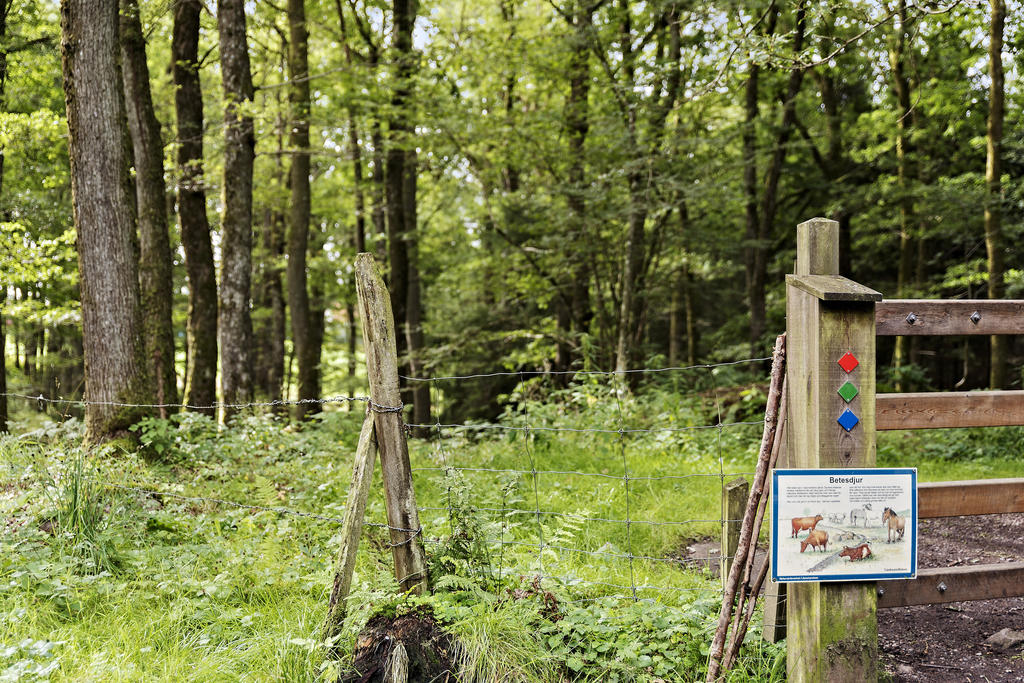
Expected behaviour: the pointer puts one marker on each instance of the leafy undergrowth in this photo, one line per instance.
(533, 566)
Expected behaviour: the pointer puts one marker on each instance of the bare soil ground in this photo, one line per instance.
(947, 642)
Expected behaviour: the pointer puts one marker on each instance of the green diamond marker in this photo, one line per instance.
(848, 391)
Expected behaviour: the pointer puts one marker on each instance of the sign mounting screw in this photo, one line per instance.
(975, 317)
(911, 319)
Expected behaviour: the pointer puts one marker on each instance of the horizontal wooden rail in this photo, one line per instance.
(954, 584)
(974, 497)
(948, 317)
(935, 410)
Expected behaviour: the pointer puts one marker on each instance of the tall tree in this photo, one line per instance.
(270, 327)
(235, 329)
(5, 10)
(753, 252)
(104, 214)
(306, 352)
(643, 145)
(574, 312)
(151, 194)
(993, 169)
(401, 201)
(898, 59)
(398, 132)
(773, 174)
(201, 371)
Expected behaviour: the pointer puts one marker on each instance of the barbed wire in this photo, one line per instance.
(507, 537)
(190, 406)
(582, 518)
(617, 477)
(371, 405)
(517, 373)
(587, 430)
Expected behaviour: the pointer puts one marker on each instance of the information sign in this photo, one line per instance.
(843, 524)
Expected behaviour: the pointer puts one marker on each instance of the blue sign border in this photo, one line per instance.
(912, 471)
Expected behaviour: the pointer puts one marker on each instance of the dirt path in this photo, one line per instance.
(947, 642)
(941, 642)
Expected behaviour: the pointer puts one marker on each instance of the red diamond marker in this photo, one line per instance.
(848, 362)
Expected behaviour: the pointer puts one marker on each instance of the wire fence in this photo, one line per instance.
(612, 547)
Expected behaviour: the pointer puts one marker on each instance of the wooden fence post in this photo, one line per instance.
(774, 614)
(386, 406)
(735, 505)
(352, 527)
(832, 629)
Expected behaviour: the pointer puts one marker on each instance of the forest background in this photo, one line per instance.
(548, 185)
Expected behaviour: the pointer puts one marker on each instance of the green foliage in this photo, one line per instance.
(202, 591)
(78, 517)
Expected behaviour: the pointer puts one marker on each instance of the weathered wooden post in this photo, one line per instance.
(386, 406)
(734, 506)
(352, 527)
(832, 630)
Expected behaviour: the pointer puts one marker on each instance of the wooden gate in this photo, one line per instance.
(831, 628)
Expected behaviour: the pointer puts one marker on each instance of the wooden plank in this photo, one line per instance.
(935, 410)
(832, 631)
(833, 288)
(974, 497)
(908, 317)
(351, 528)
(386, 405)
(954, 584)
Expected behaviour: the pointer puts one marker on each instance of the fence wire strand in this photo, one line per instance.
(446, 456)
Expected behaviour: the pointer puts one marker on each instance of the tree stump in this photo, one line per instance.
(428, 648)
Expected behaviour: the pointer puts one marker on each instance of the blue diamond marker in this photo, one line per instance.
(848, 420)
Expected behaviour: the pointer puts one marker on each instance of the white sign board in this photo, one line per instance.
(844, 524)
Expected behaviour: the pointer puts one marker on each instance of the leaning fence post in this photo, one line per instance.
(735, 498)
(386, 404)
(832, 630)
(352, 527)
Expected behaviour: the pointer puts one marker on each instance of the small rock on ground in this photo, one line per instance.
(1005, 639)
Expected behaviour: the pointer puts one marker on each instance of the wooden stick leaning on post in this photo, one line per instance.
(756, 491)
(352, 527)
(750, 590)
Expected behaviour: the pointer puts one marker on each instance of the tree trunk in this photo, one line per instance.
(398, 260)
(631, 268)
(398, 204)
(317, 320)
(201, 333)
(354, 149)
(414, 309)
(269, 329)
(5, 9)
(378, 211)
(632, 309)
(270, 332)
(576, 319)
(155, 280)
(751, 106)
(236, 225)
(769, 200)
(104, 213)
(298, 215)
(901, 87)
(993, 205)
(3, 338)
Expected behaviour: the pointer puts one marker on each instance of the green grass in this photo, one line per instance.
(108, 584)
